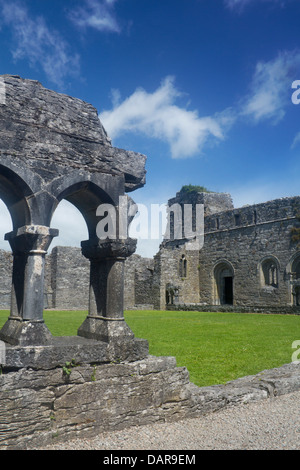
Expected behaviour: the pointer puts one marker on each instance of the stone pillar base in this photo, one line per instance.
(25, 333)
(103, 329)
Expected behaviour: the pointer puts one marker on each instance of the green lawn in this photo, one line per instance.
(215, 347)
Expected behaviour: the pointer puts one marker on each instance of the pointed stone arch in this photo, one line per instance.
(293, 278)
(223, 275)
(269, 269)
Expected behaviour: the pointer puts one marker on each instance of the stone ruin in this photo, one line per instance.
(54, 147)
(249, 261)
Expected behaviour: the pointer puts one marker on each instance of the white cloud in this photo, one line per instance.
(270, 91)
(37, 43)
(157, 116)
(237, 3)
(241, 4)
(296, 140)
(95, 14)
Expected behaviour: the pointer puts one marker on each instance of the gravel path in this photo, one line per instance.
(272, 424)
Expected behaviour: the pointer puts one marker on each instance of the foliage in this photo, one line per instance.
(190, 188)
(67, 368)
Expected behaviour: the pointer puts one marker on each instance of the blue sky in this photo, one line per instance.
(202, 87)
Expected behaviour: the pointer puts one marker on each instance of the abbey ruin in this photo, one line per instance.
(54, 147)
(248, 262)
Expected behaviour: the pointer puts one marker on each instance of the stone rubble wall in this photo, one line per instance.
(6, 261)
(47, 131)
(138, 282)
(41, 407)
(245, 247)
(242, 238)
(67, 279)
(256, 214)
(67, 274)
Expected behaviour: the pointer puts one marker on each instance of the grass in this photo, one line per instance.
(218, 347)
(215, 347)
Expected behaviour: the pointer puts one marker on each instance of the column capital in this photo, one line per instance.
(109, 248)
(31, 239)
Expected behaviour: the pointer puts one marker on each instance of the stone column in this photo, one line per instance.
(105, 320)
(25, 325)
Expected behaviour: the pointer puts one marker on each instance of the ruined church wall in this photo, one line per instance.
(247, 216)
(66, 279)
(245, 238)
(138, 282)
(168, 267)
(67, 274)
(241, 238)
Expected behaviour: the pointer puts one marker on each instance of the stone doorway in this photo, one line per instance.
(223, 280)
(228, 290)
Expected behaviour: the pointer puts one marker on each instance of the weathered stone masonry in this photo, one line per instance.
(248, 258)
(53, 147)
(252, 246)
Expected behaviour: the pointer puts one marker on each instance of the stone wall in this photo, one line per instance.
(138, 282)
(45, 407)
(67, 279)
(240, 240)
(67, 274)
(168, 272)
(238, 246)
(5, 278)
(243, 240)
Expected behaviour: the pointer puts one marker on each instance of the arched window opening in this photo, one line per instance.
(6, 225)
(182, 267)
(67, 270)
(6, 260)
(296, 269)
(270, 273)
(71, 225)
(172, 294)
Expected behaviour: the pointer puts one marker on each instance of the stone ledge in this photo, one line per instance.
(266, 384)
(282, 309)
(66, 348)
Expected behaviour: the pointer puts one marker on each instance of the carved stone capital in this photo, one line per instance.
(109, 249)
(31, 239)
